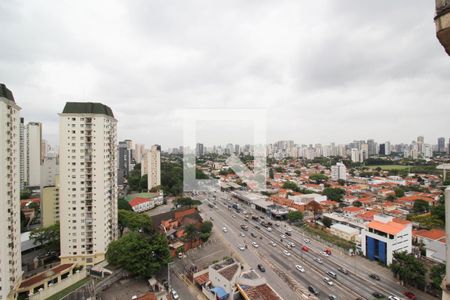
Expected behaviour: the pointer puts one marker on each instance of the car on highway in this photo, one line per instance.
(332, 274)
(241, 247)
(252, 234)
(313, 291)
(255, 244)
(307, 241)
(257, 227)
(269, 229)
(342, 270)
(378, 295)
(410, 295)
(300, 268)
(288, 233)
(328, 281)
(324, 253)
(317, 259)
(289, 229)
(224, 229)
(242, 234)
(244, 227)
(304, 248)
(273, 244)
(175, 295)
(283, 236)
(332, 297)
(287, 253)
(261, 268)
(393, 298)
(374, 276)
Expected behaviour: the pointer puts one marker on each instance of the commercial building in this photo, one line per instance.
(10, 259)
(384, 236)
(338, 172)
(345, 232)
(154, 167)
(88, 181)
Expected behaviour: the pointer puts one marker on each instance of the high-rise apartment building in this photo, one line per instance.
(420, 142)
(199, 151)
(10, 256)
(154, 167)
(339, 171)
(441, 145)
(33, 153)
(50, 203)
(49, 169)
(88, 181)
(124, 160)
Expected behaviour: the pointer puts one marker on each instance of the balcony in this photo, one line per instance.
(442, 21)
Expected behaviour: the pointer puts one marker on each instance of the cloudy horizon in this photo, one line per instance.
(325, 72)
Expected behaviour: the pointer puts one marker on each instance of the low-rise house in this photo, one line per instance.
(345, 232)
(434, 242)
(139, 204)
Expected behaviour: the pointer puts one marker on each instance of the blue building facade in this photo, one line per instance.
(376, 250)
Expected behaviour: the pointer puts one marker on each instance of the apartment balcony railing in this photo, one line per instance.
(442, 21)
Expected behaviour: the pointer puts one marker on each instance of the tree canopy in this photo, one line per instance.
(408, 269)
(295, 216)
(327, 222)
(123, 204)
(335, 194)
(139, 253)
(47, 237)
(318, 177)
(421, 206)
(133, 221)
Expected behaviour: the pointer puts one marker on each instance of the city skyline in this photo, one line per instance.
(318, 85)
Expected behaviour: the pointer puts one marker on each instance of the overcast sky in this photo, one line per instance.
(326, 71)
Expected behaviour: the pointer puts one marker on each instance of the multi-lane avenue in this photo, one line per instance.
(281, 268)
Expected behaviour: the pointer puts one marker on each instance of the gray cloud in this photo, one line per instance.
(326, 71)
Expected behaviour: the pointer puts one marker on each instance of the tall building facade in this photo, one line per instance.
(124, 159)
(88, 181)
(10, 256)
(154, 167)
(339, 172)
(441, 145)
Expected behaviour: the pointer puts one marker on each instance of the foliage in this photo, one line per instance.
(340, 242)
(295, 216)
(335, 194)
(123, 204)
(271, 176)
(25, 194)
(226, 171)
(421, 206)
(290, 185)
(134, 178)
(139, 253)
(143, 183)
(357, 204)
(191, 232)
(318, 177)
(409, 269)
(399, 192)
(199, 174)
(341, 182)
(390, 198)
(33, 205)
(187, 201)
(327, 222)
(172, 177)
(133, 221)
(437, 273)
(279, 169)
(47, 237)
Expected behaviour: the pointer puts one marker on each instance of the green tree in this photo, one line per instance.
(25, 194)
(143, 183)
(335, 194)
(271, 176)
(123, 204)
(47, 237)
(357, 204)
(138, 253)
(327, 222)
(133, 221)
(205, 230)
(318, 177)
(295, 216)
(191, 232)
(199, 174)
(421, 206)
(341, 182)
(187, 201)
(390, 198)
(399, 192)
(172, 177)
(290, 185)
(437, 273)
(408, 269)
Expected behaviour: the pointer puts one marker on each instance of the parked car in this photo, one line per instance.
(175, 295)
(410, 295)
(313, 290)
(261, 268)
(374, 276)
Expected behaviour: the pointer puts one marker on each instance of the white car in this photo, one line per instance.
(273, 244)
(291, 244)
(242, 248)
(307, 241)
(287, 253)
(283, 236)
(242, 234)
(324, 253)
(317, 259)
(289, 230)
(175, 295)
(300, 268)
(393, 298)
(224, 229)
(328, 281)
(269, 229)
(255, 244)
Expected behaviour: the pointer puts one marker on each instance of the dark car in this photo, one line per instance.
(378, 295)
(410, 295)
(313, 290)
(257, 227)
(288, 233)
(253, 235)
(261, 268)
(332, 274)
(342, 270)
(374, 276)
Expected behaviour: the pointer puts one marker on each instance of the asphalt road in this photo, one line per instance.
(356, 284)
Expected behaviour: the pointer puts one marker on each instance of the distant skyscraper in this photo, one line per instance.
(49, 169)
(427, 151)
(420, 141)
(10, 256)
(372, 147)
(88, 181)
(355, 155)
(154, 167)
(441, 145)
(124, 160)
(382, 150)
(199, 151)
(387, 148)
(34, 153)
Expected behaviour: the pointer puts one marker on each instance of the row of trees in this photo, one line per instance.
(203, 232)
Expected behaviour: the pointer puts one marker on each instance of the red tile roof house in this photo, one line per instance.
(140, 204)
(434, 241)
(408, 201)
(352, 211)
(173, 223)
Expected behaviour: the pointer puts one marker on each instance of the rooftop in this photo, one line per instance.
(87, 108)
(390, 227)
(5, 92)
(229, 271)
(260, 292)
